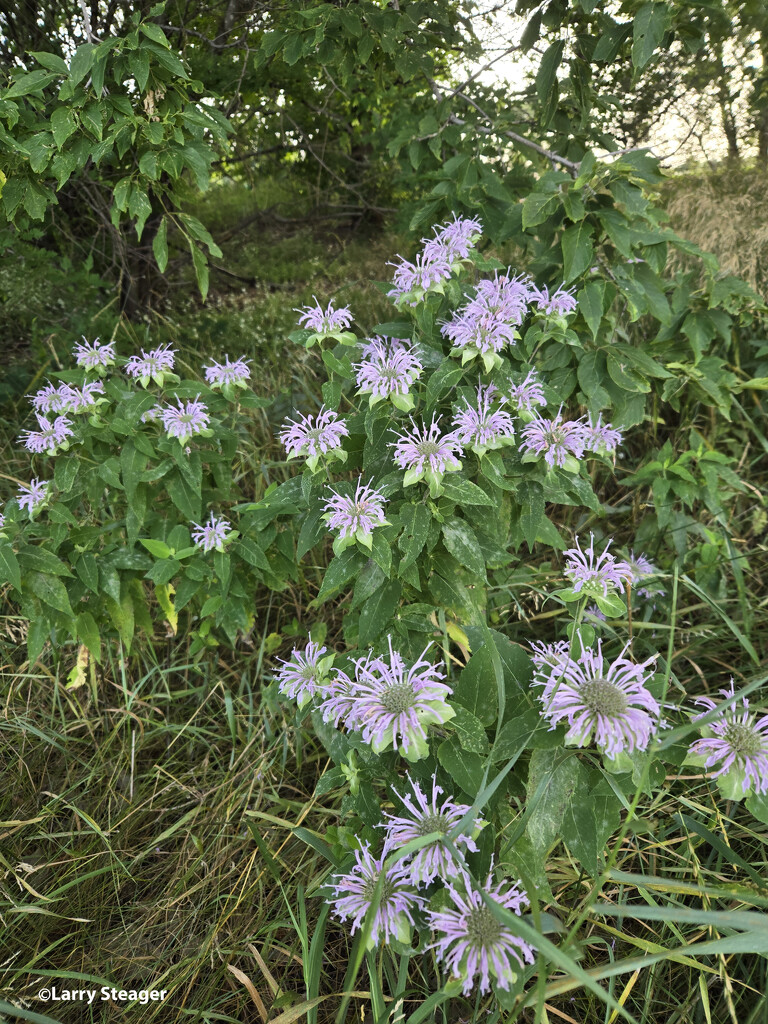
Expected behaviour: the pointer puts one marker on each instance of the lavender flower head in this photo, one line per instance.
(213, 534)
(548, 661)
(325, 323)
(454, 240)
(609, 700)
(601, 437)
(482, 334)
(643, 568)
(155, 365)
(558, 441)
(2, 520)
(305, 674)
(739, 745)
(595, 574)
(394, 704)
(95, 355)
(34, 496)
(527, 393)
(186, 419)
(560, 303)
(50, 437)
(412, 280)
(426, 454)
(355, 517)
(339, 699)
(312, 437)
(83, 399)
(426, 816)
(388, 372)
(232, 374)
(480, 427)
(355, 893)
(472, 941)
(51, 399)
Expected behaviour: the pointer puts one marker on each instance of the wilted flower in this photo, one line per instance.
(740, 743)
(425, 817)
(480, 428)
(212, 535)
(426, 454)
(324, 321)
(600, 437)
(388, 372)
(394, 704)
(233, 373)
(527, 393)
(305, 673)
(607, 699)
(33, 496)
(51, 399)
(355, 517)
(94, 355)
(471, 940)
(185, 419)
(50, 436)
(554, 439)
(595, 573)
(561, 302)
(313, 437)
(155, 365)
(355, 892)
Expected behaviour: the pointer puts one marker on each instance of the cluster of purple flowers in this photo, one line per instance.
(186, 419)
(328, 321)
(481, 427)
(314, 436)
(95, 355)
(595, 573)
(439, 259)
(388, 371)
(424, 453)
(607, 699)
(739, 743)
(489, 321)
(155, 365)
(51, 436)
(557, 439)
(232, 374)
(355, 517)
(213, 534)
(305, 674)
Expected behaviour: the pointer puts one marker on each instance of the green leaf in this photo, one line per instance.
(464, 767)
(29, 83)
(252, 553)
(201, 269)
(460, 541)
(157, 548)
(132, 465)
(88, 633)
(589, 823)
(648, 28)
(531, 498)
(469, 731)
(446, 376)
(9, 566)
(591, 305)
(538, 206)
(340, 571)
(81, 62)
(474, 689)
(464, 492)
(155, 33)
(63, 124)
(377, 612)
(184, 496)
(546, 75)
(577, 250)
(625, 376)
(591, 373)
(50, 590)
(555, 780)
(415, 520)
(50, 61)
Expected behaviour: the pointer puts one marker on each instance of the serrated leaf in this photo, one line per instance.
(461, 542)
(415, 519)
(577, 250)
(50, 590)
(464, 767)
(464, 492)
(469, 731)
(589, 823)
(648, 28)
(376, 613)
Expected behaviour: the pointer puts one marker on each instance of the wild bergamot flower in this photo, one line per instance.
(305, 674)
(425, 453)
(601, 437)
(606, 699)
(527, 393)
(325, 322)
(50, 437)
(185, 419)
(355, 517)
(481, 427)
(560, 303)
(34, 496)
(739, 744)
(355, 891)
(95, 355)
(314, 437)
(594, 574)
(472, 941)
(51, 399)
(555, 439)
(388, 371)
(424, 815)
(234, 374)
(155, 365)
(212, 535)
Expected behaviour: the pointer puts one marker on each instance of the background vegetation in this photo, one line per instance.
(149, 816)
